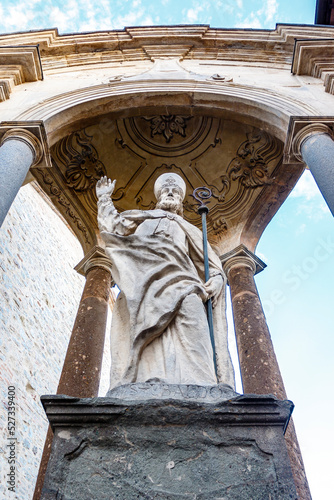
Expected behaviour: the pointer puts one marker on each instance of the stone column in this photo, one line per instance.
(314, 145)
(80, 376)
(82, 366)
(259, 368)
(20, 150)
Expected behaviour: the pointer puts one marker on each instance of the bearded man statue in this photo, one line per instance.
(159, 330)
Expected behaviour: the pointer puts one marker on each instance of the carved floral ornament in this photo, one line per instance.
(168, 125)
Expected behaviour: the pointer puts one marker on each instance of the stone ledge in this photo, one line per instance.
(252, 409)
(314, 58)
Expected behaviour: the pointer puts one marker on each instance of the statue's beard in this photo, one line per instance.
(171, 206)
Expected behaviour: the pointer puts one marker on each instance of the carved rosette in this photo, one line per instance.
(168, 125)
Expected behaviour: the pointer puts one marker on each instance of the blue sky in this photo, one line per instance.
(88, 15)
(297, 286)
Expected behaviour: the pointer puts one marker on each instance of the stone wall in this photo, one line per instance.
(39, 297)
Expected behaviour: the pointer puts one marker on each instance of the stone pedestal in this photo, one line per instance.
(181, 442)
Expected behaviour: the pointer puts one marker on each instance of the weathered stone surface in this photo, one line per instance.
(81, 90)
(81, 371)
(179, 392)
(83, 361)
(108, 448)
(159, 328)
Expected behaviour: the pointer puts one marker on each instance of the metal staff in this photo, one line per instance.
(201, 194)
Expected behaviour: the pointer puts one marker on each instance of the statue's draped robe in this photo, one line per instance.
(159, 328)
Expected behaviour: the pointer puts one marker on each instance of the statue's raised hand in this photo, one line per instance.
(105, 187)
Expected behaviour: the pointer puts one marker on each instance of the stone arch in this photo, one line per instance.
(256, 107)
(263, 108)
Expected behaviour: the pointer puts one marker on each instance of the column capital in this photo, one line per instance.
(33, 134)
(302, 127)
(96, 257)
(241, 256)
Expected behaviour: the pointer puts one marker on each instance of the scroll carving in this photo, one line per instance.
(83, 167)
(250, 165)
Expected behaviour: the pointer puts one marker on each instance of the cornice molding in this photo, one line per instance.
(18, 64)
(274, 48)
(314, 57)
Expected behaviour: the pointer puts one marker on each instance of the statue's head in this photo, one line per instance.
(170, 190)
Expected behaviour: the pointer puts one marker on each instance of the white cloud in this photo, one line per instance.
(310, 199)
(261, 18)
(300, 229)
(129, 19)
(262, 256)
(271, 9)
(252, 21)
(18, 17)
(147, 21)
(305, 187)
(192, 14)
(59, 19)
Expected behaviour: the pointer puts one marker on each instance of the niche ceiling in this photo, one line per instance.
(237, 162)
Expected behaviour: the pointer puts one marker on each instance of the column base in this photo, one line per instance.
(167, 447)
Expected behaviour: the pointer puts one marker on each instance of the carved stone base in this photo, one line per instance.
(157, 390)
(109, 448)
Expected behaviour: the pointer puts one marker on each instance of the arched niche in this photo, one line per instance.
(247, 110)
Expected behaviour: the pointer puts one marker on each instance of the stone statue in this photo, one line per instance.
(159, 330)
